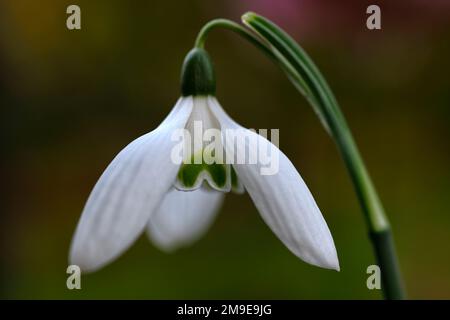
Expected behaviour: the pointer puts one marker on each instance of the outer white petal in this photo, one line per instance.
(183, 217)
(127, 193)
(283, 200)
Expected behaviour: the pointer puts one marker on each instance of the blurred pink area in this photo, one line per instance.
(327, 17)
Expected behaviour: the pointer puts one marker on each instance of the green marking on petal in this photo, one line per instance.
(218, 175)
(189, 173)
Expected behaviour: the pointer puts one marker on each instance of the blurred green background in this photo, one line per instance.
(70, 100)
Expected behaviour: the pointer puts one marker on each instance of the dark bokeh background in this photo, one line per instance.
(70, 100)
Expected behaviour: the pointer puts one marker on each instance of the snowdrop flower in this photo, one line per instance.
(143, 189)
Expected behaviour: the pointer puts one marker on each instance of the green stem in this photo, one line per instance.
(306, 77)
(387, 260)
(379, 228)
(259, 43)
(230, 25)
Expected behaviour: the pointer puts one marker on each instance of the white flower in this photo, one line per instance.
(142, 188)
(138, 190)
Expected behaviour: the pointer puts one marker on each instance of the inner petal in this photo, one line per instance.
(193, 176)
(204, 155)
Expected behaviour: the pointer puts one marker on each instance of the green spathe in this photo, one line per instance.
(197, 75)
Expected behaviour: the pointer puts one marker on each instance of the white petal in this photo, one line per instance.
(204, 135)
(129, 190)
(183, 217)
(283, 200)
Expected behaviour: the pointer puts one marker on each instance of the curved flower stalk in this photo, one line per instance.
(306, 77)
(145, 189)
(314, 87)
(177, 203)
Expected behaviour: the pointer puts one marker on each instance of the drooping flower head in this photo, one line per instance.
(173, 188)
